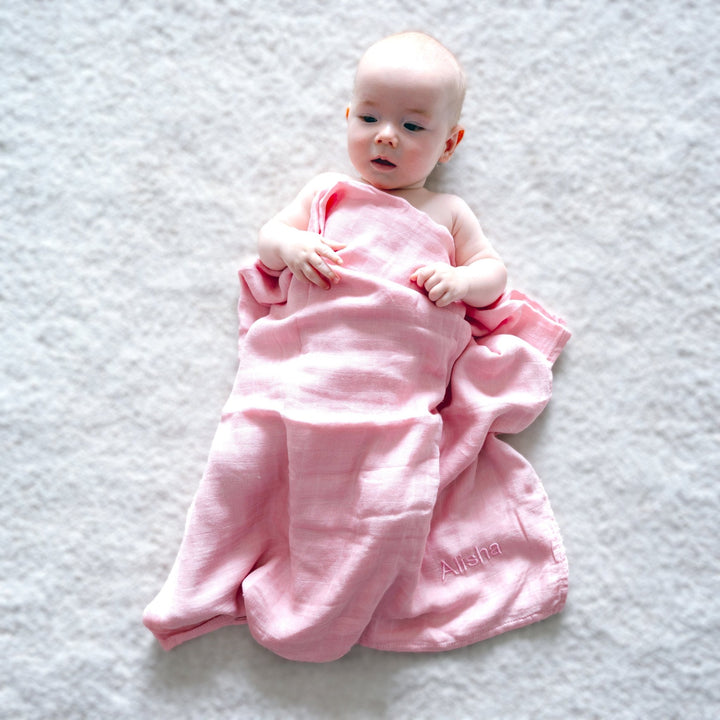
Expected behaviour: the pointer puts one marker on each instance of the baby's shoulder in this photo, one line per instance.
(313, 187)
(453, 204)
(445, 209)
(325, 180)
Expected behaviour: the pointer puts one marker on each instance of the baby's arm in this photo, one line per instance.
(284, 241)
(479, 276)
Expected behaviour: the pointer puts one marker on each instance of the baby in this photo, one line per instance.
(402, 121)
(355, 492)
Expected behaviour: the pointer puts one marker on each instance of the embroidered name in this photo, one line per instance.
(462, 563)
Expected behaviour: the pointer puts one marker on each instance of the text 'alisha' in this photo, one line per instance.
(462, 563)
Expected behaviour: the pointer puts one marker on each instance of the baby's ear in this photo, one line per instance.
(456, 135)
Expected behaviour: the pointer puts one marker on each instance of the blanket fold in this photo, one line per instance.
(356, 490)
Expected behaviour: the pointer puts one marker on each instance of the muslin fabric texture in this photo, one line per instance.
(357, 491)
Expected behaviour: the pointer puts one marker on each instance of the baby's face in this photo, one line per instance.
(399, 123)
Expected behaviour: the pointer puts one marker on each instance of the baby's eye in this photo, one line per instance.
(368, 118)
(413, 127)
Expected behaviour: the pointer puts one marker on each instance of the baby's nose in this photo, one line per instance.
(386, 134)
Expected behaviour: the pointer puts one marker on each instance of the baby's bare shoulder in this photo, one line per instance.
(325, 180)
(453, 203)
(306, 196)
(447, 209)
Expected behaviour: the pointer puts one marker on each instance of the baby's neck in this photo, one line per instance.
(413, 195)
(433, 204)
(436, 205)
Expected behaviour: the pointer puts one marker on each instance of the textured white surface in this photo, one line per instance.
(142, 144)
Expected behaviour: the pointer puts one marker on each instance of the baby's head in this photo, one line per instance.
(417, 57)
(403, 117)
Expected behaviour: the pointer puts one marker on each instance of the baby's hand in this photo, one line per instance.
(307, 255)
(443, 283)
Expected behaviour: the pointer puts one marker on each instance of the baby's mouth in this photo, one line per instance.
(383, 162)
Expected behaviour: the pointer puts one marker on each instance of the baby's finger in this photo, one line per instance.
(321, 273)
(421, 276)
(443, 300)
(435, 286)
(330, 254)
(311, 275)
(436, 290)
(335, 244)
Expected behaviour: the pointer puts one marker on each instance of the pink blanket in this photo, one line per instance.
(356, 489)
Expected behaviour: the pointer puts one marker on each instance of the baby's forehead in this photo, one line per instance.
(415, 90)
(400, 54)
(388, 95)
(416, 59)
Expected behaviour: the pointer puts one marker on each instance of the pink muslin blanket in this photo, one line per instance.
(356, 490)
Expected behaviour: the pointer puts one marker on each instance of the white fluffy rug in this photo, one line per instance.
(143, 144)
